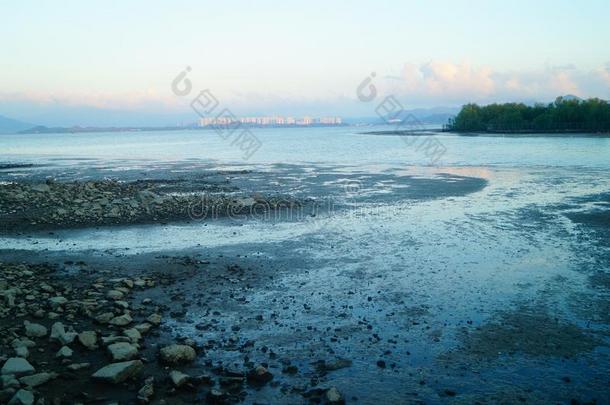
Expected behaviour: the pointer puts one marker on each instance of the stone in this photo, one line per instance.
(104, 318)
(155, 319)
(115, 295)
(58, 332)
(9, 381)
(34, 329)
(40, 188)
(64, 352)
(23, 342)
(143, 328)
(118, 372)
(178, 378)
(122, 320)
(147, 391)
(176, 354)
(35, 380)
(57, 302)
(22, 351)
(122, 351)
(333, 396)
(17, 366)
(88, 339)
(22, 397)
(78, 366)
(259, 375)
(133, 334)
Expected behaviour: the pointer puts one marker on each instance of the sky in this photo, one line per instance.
(113, 62)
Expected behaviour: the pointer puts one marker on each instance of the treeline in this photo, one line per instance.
(591, 115)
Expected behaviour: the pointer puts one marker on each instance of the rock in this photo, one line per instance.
(178, 378)
(114, 295)
(147, 391)
(23, 342)
(155, 319)
(133, 334)
(122, 320)
(34, 329)
(259, 375)
(59, 333)
(88, 339)
(17, 366)
(22, 397)
(35, 380)
(64, 352)
(143, 328)
(337, 364)
(122, 351)
(78, 366)
(57, 302)
(9, 381)
(333, 396)
(22, 351)
(176, 354)
(40, 188)
(118, 372)
(104, 318)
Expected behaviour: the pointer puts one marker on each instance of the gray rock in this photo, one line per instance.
(22, 351)
(105, 317)
(34, 329)
(155, 319)
(88, 339)
(17, 366)
(64, 352)
(40, 188)
(122, 351)
(9, 381)
(57, 302)
(147, 391)
(122, 320)
(118, 372)
(22, 397)
(35, 380)
(333, 396)
(176, 354)
(58, 332)
(178, 378)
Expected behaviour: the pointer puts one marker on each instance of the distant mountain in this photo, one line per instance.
(11, 126)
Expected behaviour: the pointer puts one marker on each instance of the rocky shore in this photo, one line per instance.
(53, 205)
(81, 340)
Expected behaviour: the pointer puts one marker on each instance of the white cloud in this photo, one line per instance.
(442, 82)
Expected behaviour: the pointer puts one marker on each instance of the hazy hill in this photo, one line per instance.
(11, 126)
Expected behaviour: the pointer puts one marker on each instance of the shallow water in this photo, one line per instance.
(430, 256)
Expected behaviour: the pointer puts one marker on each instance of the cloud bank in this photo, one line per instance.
(441, 82)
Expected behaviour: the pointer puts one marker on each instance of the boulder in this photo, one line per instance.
(118, 372)
(178, 378)
(88, 339)
(22, 397)
(35, 380)
(17, 366)
(64, 352)
(176, 354)
(58, 332)
(34, 329)
(122, 320)
(122, 351)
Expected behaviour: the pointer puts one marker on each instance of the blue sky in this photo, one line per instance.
(71, 60)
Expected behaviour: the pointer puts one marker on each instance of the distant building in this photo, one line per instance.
(270, 121)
